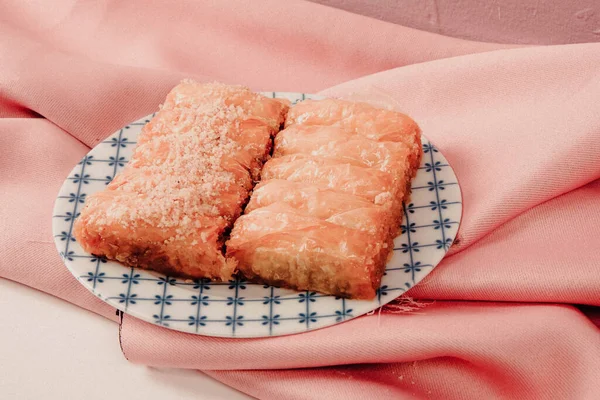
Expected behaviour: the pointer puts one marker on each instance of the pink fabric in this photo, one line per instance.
(520, 126)
(446, 352)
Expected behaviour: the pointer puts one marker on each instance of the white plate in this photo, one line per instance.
(241, 309)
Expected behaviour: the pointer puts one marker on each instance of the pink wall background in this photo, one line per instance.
(499, 21)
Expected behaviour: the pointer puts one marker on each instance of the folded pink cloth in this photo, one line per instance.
(447, 351)
(520, 126)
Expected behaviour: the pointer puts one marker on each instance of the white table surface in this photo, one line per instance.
(50, 349)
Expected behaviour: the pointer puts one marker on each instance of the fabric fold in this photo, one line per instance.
(463, 337)
(534, 106)
(36, 158)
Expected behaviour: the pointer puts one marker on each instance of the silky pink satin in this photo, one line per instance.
(520, 126)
